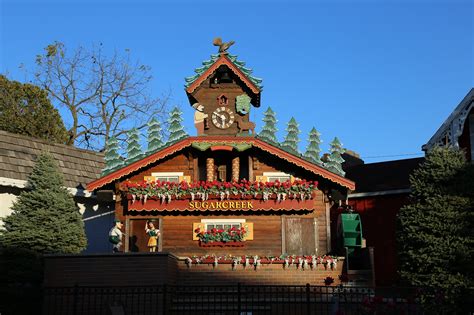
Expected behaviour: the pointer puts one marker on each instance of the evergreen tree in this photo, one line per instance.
(45, 218)
(175, 125)
(334, 160)
(134, 150)
(291, 140)
(313, 150)
(154, 135)
(25, 109)
(269, 130)
(435, 231)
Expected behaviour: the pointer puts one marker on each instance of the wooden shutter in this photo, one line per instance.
(263, 179)
(300, 236)
(249, 228)
(200, 225)
(149, 178)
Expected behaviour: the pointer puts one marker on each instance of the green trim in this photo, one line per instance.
(201, 146)
(242, 146)
(206, 64)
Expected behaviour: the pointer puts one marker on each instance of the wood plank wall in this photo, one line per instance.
(177, 228)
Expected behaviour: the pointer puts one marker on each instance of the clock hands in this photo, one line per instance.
(222, 117)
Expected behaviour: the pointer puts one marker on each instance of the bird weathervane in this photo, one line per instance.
(222, 46)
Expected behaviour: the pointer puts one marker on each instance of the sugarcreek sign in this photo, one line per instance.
(220, 205)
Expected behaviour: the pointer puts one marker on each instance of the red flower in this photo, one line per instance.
(329, 280)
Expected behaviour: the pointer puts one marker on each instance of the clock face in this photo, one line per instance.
(223, 117)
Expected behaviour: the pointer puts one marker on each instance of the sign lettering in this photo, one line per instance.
(222, 205)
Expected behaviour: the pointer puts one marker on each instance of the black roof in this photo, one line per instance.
(383, 176)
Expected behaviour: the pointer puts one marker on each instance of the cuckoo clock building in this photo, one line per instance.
(226, 191)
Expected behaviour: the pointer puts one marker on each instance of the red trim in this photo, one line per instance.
(223, 60)
(222, 244)
(221, 148)
(318, 170)
(257, 204)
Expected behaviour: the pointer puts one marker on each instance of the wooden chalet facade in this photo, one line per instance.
(227, 158)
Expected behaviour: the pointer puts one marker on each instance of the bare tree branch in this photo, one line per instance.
(105, 96)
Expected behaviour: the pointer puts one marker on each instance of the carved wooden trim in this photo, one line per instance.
(235, 168)
(210, 169)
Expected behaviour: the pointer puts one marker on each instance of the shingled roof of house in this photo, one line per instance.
(18, 154)
(383, 176)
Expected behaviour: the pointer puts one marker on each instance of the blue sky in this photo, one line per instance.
(380, 75)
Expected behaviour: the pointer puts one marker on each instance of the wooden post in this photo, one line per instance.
(210, 169)
(328, 223)
(235, 168)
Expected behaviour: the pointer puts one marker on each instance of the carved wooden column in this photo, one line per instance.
(235, 168)
(210, 169)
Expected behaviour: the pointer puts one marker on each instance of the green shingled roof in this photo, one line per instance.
(239, 64)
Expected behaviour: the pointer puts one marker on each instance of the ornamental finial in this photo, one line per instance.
(222, 46)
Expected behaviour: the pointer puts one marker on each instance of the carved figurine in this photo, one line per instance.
(200, 119)
(153, 233)
(244, 125)
(222, 46)
(115, 236)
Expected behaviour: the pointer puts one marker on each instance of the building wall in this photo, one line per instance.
(161, 268)
(177, 230)
(98, 217)
(266, 274)
(7, 196)
(177, 227)
(110, 269)
(379, 221)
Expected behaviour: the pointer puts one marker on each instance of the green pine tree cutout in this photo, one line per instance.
(176, 128)
(45, 218)
(291, 141)
(334, 160)
(134, 150)
(268, 132)
(154, 136)
(313, 150)
(113, 160)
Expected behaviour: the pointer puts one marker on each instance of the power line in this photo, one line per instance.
(388, 156)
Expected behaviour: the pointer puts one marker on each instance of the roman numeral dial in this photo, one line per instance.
(223, 117)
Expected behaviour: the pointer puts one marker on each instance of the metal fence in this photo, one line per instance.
(232, 299)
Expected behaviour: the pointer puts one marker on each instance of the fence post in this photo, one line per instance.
(239, 310)
(164, 298)
(308, 301)
(75, 295)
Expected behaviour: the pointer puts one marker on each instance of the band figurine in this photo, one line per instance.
(153, 233)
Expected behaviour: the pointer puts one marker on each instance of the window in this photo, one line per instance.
(173, 177)
(274, 176)
(222, 223)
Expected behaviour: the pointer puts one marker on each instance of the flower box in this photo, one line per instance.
(222, 244)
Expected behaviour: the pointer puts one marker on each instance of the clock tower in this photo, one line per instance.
(222, 92)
